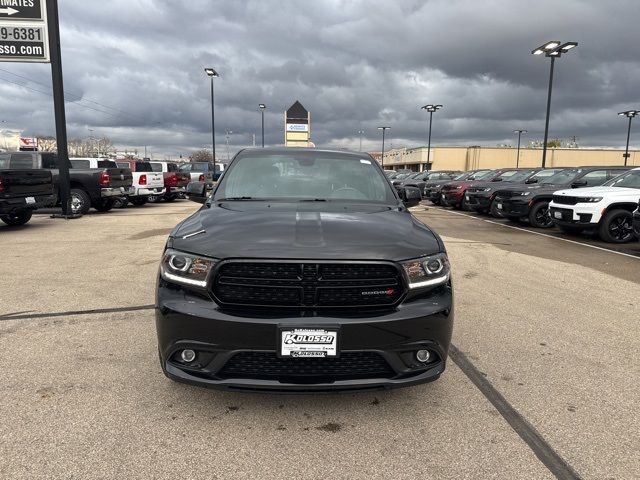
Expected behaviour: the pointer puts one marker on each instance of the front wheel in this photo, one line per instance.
(17, 218)
(539, 215)
(616, 226)
(138, 201)
(495, 211)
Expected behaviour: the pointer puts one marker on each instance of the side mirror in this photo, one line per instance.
(531, 180)
(411, 196)
(197, 192)
(498, 179)
(579, 183)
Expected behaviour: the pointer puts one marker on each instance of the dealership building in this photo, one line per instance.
(476, 157)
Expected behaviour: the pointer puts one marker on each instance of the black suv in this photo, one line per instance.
(636, 221)
(303, 271)
(532, 202)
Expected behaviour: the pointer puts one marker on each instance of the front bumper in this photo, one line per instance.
(220, 337)
(576, 216)
(452, 197)
(478, 201)
(145, 192)
(513, 207)
(16, 204)
(116, 191)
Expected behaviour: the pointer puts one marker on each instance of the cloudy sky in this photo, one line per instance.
(134, 71)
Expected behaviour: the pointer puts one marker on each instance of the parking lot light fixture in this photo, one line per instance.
(629, 114)
(430, 108)
(213, 74)
(553, 49)
(519, 132)
(262, 108)
(384, 129)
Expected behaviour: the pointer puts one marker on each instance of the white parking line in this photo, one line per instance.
(539, 233)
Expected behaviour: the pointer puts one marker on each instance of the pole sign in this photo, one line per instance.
(23, 31)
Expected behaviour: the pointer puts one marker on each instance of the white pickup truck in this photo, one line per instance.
(145, 181)
(607, 208)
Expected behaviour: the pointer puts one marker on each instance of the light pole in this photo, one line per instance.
(213, 74)
(553, 50)
(262, 108)
(430, 109)
(384, 129)
(227, 134)
(519, 132)
(629, 114)
(360, 132)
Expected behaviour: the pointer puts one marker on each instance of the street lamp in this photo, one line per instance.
(262, 108)
(519, 132)
(213, 74)
(227, 134)
(430, 109)
(553, 50)
(384, 129)
(629, 114)
(360, 132)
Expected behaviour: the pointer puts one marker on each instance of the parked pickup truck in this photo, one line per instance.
(89, 187)
(22, 190)
(608, 208)
(146, 182)
(203, 172)
(175, 181)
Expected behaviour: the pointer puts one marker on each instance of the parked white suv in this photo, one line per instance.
(607, 208)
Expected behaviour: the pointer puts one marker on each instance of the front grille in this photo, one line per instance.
(268, 366)
(566, 200)
(307, 285)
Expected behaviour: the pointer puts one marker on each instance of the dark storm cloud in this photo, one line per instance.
(134, 71)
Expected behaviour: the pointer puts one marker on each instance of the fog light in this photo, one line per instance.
(189, 356)
(423, 356)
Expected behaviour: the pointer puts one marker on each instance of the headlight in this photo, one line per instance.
(592, 199)
(525, 194)
(186, 268)
(427, 271)
(459, 187)
(488, 189)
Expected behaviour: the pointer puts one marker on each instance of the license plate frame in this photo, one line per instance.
(305, 348)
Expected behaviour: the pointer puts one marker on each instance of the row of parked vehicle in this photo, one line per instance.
(30, 180)
(604, 200)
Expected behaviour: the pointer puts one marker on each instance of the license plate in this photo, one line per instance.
(466, 197)
(307, 342)
(557, 215)
(499, 206)
(30, 200)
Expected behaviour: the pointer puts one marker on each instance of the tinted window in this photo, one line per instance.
(172, 167)
(515, 176)
(545, 173)
(312, 175)
(143, 167)
(4, 160)
(595, 178)
(80, 163)
(561, 178)
(627, 180)
(123, 165)
(21, 160)
(480, 175)
(200, 167)
(107, 164)
(185, 167)
(156, 166)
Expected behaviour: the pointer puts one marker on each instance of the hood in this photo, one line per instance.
(599, 192)
(313, 230)
(535, 187)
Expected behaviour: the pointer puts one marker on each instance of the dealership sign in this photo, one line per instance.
(296, 127)
(28, 143)
(23, 31)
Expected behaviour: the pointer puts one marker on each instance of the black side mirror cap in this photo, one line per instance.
(579, 183)
(411, 196)
(197, 192)
(532, 180)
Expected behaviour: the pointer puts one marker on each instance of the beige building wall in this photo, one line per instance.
(471, 158)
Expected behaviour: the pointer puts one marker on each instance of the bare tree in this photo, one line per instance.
(46, 143)
(201, 156)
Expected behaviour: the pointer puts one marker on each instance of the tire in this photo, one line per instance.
(616, 226)
(120, 202)
(17, 218)
(138, 201)
(104, 204)
(80, 201)
(171, 197)
(570, 229)
(154, 198)
(463, 205)
(539, 216)
(494, 212)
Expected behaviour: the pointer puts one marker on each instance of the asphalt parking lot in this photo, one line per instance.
(543, 382)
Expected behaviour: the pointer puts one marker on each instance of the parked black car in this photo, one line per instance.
(90, 187)
(303, 271)
(419, 181)
(22, 191)
(531, 202)
(480, 196)
(433, 188)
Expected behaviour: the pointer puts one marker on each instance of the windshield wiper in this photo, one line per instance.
(313, 200)
(232, 199)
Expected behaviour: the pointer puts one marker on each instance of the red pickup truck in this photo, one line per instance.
(175, 181)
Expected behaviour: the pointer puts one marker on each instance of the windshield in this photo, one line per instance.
(547, 172)
(480, 175)
(156, 166)
(626, 180)
(561, 178)
(462, 176)
(304, 175)
(515, 175)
